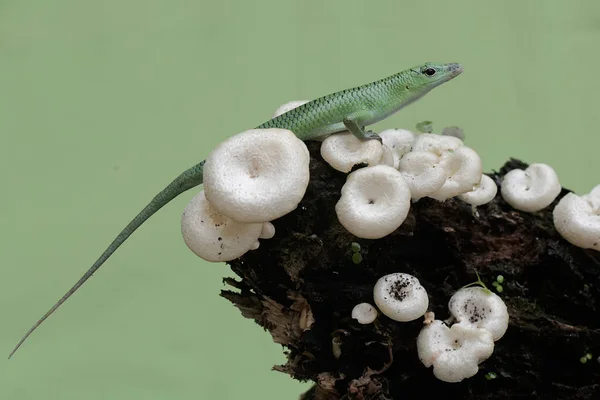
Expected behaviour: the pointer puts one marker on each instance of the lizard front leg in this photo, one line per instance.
(359, 132)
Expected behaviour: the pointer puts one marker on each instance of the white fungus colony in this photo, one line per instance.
(250, 179)
(456, 351)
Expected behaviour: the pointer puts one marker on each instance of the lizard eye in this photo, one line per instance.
(429, 72)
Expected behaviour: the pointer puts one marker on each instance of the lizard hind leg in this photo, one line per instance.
(359, 131)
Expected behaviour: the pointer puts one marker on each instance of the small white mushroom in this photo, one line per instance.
(577, 219)
(364, 313)
(258, 175)
(255, 246)
(289, 106)
(268, 231)
(463, 171)
(422, 173)
(436, 144)
(400, 297)
(400, 141)
(374, 202)
(454, 352)
(480, 308)
(213, 236)
(532, 189)
(344, 150)
(388, 158)
(483, 193)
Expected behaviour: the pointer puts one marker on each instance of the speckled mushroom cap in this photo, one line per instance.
(532, 189)
(400, 297)
(455, 352)
(258, 175)
(480, 308)
(213, 236)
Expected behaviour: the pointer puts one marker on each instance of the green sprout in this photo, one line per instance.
(490, 375)
(355, 247)
(425, 126)
(477, 282)
(497, 283)
(357, 258)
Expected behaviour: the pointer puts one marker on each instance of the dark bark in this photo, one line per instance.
(302, 285)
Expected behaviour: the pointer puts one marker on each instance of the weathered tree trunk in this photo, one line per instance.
(301, 286)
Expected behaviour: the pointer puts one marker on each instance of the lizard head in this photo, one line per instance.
(430, 75)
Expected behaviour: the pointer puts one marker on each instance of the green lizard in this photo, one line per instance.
(350, 109)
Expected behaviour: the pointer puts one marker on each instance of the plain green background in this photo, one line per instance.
(103, 102)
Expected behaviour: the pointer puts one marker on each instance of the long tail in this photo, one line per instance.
(187, 180)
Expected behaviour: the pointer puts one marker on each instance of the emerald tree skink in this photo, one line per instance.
(350, 109)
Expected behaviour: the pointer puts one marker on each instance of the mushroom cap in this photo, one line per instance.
(422, 173)
(454, 352)
(374, 202)
(344, 150)
(463, 171)
(213, 236)
(577, 219)
(258, 175)
(400, 297)
(483, 193)
(436, 144)
(532, 189)
(364, 313)
(480, 308)
(400, 141)
(388, 158)
(289, 106)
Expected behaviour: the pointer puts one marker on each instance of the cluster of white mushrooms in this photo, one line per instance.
(250, 179)
(454, 348)
(576, 218)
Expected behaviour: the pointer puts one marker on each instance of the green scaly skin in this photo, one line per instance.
(350, 109)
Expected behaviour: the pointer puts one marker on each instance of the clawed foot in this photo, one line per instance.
(370, 135)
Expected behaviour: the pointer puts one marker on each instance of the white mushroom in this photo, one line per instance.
(344, 150)
(483, 193)
(422, 173)
(480, 308)
(577, 219)
(436, 144)
(268, 231)
(364, 313)
(213, 236)
(388, 158)
(532, 189)
(289, 106)
(454, 352)
(400, 141)
(374, 202)
(258, 175)
(463, 171)
(400, 297)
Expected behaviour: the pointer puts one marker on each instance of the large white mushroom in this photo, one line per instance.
(577, 219)
(463, 171)
(344, 150)
(288, 107)
(374, 202)
(213, 236)
(422, 172)
(480, 308)
(455, 352)
(532, 189)
(258, 175)
(400, 297)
